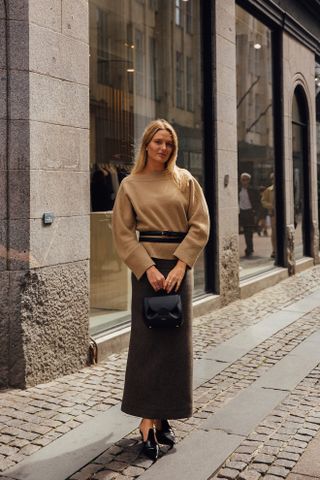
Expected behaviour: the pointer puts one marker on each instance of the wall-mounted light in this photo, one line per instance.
(130, 70)
(257, 46)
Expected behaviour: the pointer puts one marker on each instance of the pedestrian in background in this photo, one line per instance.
(248, 205)
(267, 201)
(163, 200)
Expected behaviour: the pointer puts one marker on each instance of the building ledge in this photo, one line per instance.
(304, 263)
(260, 282)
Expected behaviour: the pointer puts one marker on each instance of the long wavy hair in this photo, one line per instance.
(141, 157)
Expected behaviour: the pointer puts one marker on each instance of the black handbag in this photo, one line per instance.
(163, 311)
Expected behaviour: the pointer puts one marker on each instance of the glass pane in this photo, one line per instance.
(139, 71)
(257, 234)
(298, 189)
(317, 84)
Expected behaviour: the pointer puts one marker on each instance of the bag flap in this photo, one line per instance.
(169, 303)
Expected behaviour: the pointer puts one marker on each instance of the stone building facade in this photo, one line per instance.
(79, 80)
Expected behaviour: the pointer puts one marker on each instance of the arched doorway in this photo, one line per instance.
(300, 160)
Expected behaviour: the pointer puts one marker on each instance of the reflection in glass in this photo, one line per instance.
(300, 161)
(317, 85)
(139, 70)
(257, 232)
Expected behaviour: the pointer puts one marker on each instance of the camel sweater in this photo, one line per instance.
(154, 202)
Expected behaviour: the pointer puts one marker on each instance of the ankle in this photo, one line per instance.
(157, 423)
(146, 424)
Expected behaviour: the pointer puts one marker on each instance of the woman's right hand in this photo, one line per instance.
(156, 279)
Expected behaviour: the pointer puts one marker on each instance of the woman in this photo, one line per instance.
(157, 198)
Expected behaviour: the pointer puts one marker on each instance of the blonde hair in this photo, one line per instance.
(179, 175)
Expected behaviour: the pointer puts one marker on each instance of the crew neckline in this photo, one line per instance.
(151, 175)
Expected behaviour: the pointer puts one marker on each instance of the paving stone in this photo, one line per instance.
(246, 449)
(289, 456)
(271, 477)
(263, 458)
(42, 441)
(241, 457)
(285, 463)
(274, 443)
(268, 450)
(260, 467)
(228, 473)
(236, 465)
(104, 458)
(126, 442)
(293, 449)
(129, 456)
(143, 462)
(105, 475)
(5, 464)
(7, 450)
(63, 417)
(249, 475)
(91, 469)
(279, 471)
(4, 439)
(306, 431)
(117, 466)
(18, 457)
(133, 471)
(299, 444)
(30, 449)
(115, 450)
(19, 442)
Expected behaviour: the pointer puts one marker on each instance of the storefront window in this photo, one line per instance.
(300, 171)
(139, 70)
(257, 231)
(317, 84)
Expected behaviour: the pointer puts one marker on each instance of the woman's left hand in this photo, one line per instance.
(175, 277)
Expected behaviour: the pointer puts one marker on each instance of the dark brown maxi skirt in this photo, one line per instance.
(158, 381)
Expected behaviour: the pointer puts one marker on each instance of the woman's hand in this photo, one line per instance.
(156, 279)
(175, 277)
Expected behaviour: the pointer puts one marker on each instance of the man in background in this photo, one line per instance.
(267, 201)
(248, 205)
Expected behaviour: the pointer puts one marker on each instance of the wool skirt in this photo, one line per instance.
(158, 380)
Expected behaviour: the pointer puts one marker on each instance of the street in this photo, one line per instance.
(256, 404)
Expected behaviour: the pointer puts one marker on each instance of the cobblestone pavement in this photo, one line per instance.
(33, 418)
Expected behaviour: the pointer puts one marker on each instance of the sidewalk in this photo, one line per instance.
(256, 403)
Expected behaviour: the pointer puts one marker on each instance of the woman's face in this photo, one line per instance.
(160, 148)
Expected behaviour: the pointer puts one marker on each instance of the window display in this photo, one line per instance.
(139, 70)
(317, 85)
(257, 226)
(300, 172)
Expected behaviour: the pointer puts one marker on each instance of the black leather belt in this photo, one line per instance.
(161, 237)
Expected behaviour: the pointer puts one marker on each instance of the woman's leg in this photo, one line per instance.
(164, 432)
(144, 427)
(157, 423)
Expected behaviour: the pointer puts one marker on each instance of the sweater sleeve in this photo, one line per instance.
(125, 239)
(199, 226)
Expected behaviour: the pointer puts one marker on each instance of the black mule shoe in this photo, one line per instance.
(150, 446)
(166, 435)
